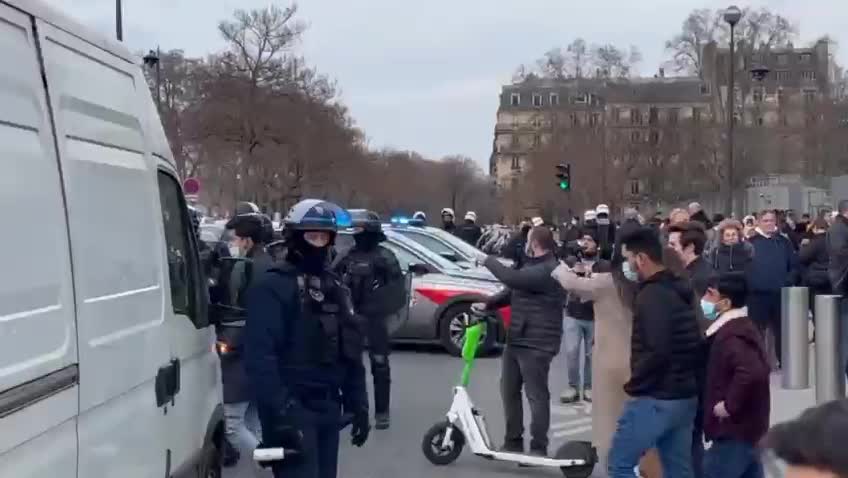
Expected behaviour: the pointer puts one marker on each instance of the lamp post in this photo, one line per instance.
(151, 60)
(119, 21)
(732, 16)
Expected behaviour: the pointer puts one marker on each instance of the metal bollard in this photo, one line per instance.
(795, 349)
(830, 378)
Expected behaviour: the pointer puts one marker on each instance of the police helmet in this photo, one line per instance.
(246, 207)
(448, 212)
(316, 215)
(365, 220)
(419, 216)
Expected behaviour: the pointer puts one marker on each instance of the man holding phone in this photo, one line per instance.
(580, 322)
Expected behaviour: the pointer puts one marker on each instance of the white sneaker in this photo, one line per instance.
(587, 394)
(569, 395)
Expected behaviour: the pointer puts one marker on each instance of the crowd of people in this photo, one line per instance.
(679, 319)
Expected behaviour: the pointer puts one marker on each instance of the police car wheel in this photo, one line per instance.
(433, 440)
(452, 331)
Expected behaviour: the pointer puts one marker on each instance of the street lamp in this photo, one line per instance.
(152, 59)
(732, 16)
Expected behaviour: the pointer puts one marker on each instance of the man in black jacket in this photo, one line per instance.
(837, 242)
(533, 338)
(688, 240)
(240, 418)
(664, 362)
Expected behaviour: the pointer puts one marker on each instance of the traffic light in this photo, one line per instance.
(564, 176)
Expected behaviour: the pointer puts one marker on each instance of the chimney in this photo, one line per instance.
(662, 72)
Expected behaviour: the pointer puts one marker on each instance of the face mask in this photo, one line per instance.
(628, 272)
(709, 310)
(235, 251)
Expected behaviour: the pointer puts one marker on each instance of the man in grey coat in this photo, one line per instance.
(533, 338)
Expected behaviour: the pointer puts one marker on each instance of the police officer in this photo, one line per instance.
(418, 219)
(303, 353)
(377, 286)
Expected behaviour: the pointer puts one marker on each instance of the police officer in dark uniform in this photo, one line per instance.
(377, 286)
(303, 352)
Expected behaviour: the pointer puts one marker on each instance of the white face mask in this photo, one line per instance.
(628, 272)
(235, 251)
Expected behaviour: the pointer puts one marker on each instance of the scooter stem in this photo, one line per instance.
(469, 350)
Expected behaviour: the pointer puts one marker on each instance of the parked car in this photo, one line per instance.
(441, 294)
(443, 243)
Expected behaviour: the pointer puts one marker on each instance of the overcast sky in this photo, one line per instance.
(425, 75)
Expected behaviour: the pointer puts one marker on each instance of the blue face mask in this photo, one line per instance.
(628, 272)
(709, 309)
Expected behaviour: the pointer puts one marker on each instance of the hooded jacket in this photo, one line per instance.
(731, 258)
(815, 260)
(738, 375)
(666, 340)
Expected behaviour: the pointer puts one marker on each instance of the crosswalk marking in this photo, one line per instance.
(576, 419)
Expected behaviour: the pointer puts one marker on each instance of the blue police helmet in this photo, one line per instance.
(316, 215)
(365, 220)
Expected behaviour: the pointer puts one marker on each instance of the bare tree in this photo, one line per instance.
(578, 60)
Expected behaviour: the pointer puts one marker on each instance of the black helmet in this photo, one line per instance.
(246, 207)
(316, 215)
(367, 221)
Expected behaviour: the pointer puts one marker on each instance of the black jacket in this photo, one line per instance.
(469, 232)
(837, 246)
(700, 272)
(666, 340)
(537, 301)
(735, 258)
(376, 282)
(233, 375)
(815, 260)
(514, 249)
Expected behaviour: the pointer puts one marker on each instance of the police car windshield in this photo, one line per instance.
(422, 251)
(467, 249)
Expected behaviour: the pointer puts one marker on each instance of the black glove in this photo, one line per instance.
(361, 428)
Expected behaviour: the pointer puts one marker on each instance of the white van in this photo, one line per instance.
(107, 360)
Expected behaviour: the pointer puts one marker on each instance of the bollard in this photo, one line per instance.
(795, 349)
(830, 378)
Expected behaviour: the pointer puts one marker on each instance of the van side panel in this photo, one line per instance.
(37, 328)
(111, 191)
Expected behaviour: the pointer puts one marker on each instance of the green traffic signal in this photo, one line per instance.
(564, 185)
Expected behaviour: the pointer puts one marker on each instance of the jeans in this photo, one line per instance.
(647, 423)
(241, 427)
(528, 368)
(732, 459)
(577, 332)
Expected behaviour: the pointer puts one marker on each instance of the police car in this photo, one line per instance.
(440, 295)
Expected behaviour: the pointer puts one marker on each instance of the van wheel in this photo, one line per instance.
(212, 463)
(452, 332)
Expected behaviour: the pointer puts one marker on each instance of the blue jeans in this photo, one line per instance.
(577, 332)
(241, 427)
(647, 423)
(732, 459)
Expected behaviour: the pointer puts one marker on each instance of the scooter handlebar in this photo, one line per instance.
(269, 455)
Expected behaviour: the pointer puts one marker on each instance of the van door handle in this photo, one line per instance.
(167, 382)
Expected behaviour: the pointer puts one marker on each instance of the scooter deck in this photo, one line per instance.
(523, 459)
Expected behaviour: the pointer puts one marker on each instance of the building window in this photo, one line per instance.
(537, 123)
(514, 141)
(805, 58)
(758, 94)
(616, 115)
(809, 96)
(781, 96)
(696, 115)
(575, 120)
(635, 137)
(580, 99)
(537, 100)
(784, 75)
(653, 115)
(515, 99)
(808, 75)
(516, 163)
(554, 99)
(655, 137)
(537, 141)
(783, 59)
(760, 121)
(594, 119)
(634, 187)
(635, 116)
(673, 115)
(705, 89)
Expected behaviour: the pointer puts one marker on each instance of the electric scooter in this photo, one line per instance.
(444, 441)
